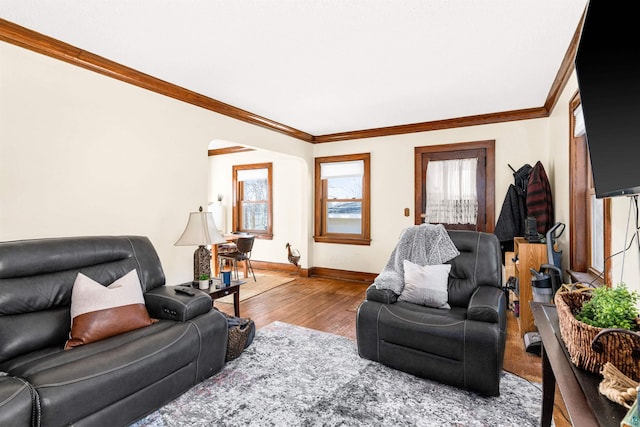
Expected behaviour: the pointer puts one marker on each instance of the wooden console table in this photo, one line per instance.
(579, 388)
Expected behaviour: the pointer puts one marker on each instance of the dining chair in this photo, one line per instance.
(244, 247)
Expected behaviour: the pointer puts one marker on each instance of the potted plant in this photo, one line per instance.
(598, 325)
(613, 307)
(204, 281)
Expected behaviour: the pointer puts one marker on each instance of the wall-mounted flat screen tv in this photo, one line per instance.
(608, 70)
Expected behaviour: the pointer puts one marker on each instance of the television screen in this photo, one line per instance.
(608, 70)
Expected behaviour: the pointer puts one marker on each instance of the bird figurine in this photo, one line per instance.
(293, 255)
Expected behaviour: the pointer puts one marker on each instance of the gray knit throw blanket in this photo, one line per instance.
(424, 244)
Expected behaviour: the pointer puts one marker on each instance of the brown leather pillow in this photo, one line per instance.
(99, 312)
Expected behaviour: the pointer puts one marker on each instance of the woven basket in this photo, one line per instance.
(237, 341)
(617, 348)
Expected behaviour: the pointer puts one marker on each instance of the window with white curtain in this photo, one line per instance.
(452, 191)
(455, 185)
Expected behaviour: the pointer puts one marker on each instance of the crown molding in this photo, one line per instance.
(229, 150)
(483, 119)
(566, 68)
(40, 43)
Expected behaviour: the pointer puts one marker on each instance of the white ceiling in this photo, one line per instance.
(329, 66)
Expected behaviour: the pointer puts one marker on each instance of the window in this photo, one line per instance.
(342, 199)
(596, 232)
(252, 199)
(590, 228)
(454, 185)
(451, 191)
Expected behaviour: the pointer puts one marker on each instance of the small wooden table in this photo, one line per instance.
(233, 288)
(579, 388)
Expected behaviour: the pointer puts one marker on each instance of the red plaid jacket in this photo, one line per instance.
(539, 198)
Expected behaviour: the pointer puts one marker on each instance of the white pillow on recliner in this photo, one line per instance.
(426, 284)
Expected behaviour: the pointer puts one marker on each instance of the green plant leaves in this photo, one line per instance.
(610, 308)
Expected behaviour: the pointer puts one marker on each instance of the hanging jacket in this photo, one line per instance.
(521, 181)
(512, 216)
(514, 209)
(539, 199)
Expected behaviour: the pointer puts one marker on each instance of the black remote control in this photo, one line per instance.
(184, 291)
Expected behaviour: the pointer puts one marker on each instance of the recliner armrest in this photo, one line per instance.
(164, 303)
(486, 305)
(385, 296)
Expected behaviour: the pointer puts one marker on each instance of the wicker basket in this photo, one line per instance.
(617, 347)
(238, 337)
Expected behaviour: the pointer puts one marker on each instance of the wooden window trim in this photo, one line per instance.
(489, 188)
(579, 212)
(237, 190)
(320, 191)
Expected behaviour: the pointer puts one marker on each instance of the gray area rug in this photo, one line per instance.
(294, 376)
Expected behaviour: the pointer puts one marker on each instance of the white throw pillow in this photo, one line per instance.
(99, 312)
(426, 285)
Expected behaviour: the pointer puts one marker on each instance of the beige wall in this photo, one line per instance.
(392, 181)
(559, 164)
(82, 154)
(392, 184)
(625, 268)
(291, 201)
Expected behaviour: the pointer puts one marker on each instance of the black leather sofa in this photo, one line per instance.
(463, 346)
(111, 382)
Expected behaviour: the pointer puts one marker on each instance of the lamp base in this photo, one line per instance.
(201, 263)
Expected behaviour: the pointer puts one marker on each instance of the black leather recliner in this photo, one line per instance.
(463, 346)
(111, 382)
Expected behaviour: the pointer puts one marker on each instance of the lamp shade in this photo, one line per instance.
(201, 230)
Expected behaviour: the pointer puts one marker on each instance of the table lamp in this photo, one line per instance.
(201, 231)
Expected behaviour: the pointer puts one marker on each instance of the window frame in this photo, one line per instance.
(581, 189)
(320, 200)
(237, 225)
(485, 179)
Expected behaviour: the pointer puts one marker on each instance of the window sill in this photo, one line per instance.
(342, 240)
(585, 277)
(261, 236)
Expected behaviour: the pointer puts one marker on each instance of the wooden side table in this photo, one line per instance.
(233, 288)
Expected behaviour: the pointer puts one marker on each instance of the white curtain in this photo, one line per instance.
(451, 191)
(252, 174)
(341, 169)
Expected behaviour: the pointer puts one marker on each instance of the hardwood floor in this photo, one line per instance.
(330, 305)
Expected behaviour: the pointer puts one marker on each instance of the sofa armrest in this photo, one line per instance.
(164, 303)
(486, 305)
(18, 402)
(385, 296)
